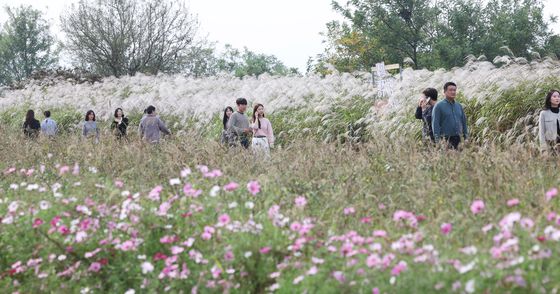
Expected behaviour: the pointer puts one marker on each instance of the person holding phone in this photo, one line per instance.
(424, 112)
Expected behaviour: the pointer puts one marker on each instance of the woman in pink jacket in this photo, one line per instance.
(263, 136)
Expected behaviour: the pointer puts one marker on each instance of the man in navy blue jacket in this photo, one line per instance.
(449, 121)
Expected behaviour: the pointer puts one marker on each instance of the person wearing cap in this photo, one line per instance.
(424, 112)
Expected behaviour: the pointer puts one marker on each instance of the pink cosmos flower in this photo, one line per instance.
(37, 222)
(216, 272)
(232, 186)
(63, 230)
(163, 208)
(295, 226)
(147, 267)
(119, 184)
(168, 239)
(254, 187)
(206, 236)
(513, 202)
(63, 170)
(191, 192)
(224, 219)
(349, 210)
(380, 234)
(127, 246)
(551, 194)
(477, 206)
(300, 201)
(399, 268)
(446, 228)
(312, 271)
(339, 276)
(265, 250)
(175, 250)
(154, 194)
(95, 267)
(228, 256)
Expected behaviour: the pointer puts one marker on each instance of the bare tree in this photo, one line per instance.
(120, 37)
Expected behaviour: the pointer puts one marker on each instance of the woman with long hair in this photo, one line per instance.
(31, 126)
(549, 123)
(90, 129)
(119, 124)
(263, 135)
(225, 120)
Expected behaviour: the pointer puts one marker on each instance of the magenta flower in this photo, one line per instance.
(513, 202)
(265, 250)
(254, 187)
(168, 239)
(37, 222)
(399, 268)
(224, 219)
(300, 201)
(551, 194)
(477, 206)
(446, 228)
(232, 186)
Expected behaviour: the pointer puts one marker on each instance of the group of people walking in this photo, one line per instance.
(150, 128)
(238, 129)
(446, 120)
(256, 133)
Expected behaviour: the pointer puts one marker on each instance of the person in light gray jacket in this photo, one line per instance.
(549, 123)
(152, 126)
(90, 129)
(48, 126)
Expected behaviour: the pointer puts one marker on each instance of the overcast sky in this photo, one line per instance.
(288, 29)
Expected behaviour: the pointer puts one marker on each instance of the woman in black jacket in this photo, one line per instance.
(119, 124)
(31, 126)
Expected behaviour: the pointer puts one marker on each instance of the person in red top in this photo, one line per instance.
(263, 135)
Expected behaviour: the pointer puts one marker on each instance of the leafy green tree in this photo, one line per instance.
(248, 63)
(433, 33)
(26, 44)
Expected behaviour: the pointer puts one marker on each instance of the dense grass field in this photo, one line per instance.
(188, 216)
